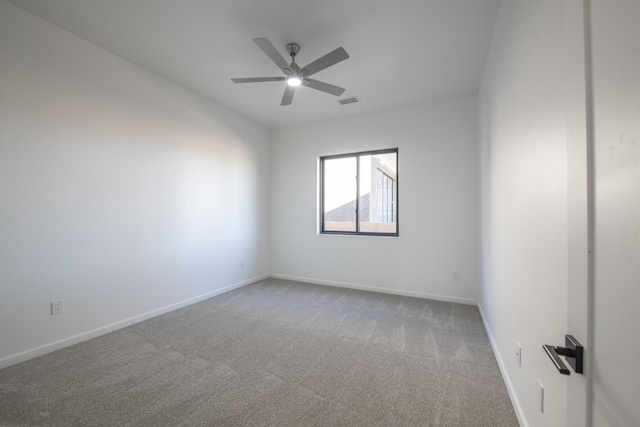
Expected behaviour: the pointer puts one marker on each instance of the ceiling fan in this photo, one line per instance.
(296, 75)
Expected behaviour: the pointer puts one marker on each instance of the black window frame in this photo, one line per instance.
(357, 156)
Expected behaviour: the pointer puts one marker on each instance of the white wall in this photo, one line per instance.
(120, 193)
(616, 95)
(438, 202)
(523, 137)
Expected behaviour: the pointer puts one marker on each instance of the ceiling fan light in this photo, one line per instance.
(294, 81)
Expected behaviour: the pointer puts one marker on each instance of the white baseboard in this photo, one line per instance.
(507, 380)
(84, 336)
(377, 289)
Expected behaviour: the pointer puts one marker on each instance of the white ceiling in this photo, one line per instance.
(402, 52)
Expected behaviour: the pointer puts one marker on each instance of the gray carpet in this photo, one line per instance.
(275, 353)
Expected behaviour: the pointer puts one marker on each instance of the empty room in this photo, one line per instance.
(297, 213)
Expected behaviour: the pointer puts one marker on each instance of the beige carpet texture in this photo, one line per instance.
(274, 353)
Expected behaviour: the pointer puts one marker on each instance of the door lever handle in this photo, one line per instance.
(573, 351)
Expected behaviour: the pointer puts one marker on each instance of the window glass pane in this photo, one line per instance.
(340, 194)
(378, 193)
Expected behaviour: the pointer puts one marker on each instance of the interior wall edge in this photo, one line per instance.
(368, 288)
(35, 352)
(503, 370)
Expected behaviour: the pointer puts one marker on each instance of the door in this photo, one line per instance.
(604, 209)
(615, 83)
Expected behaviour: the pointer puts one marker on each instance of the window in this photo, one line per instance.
(359, 193)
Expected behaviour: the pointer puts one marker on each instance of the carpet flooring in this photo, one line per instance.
(275, 353)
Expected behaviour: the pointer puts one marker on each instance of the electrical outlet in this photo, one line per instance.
(540, 396)
(309, 262)
(241, 264)
(455, 276)
(57, 307)
(518, 354)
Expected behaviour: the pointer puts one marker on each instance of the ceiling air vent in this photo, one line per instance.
(348, 100)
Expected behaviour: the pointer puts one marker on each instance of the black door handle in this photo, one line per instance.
(573, 352)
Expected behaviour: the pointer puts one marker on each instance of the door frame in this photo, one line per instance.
(581, 206)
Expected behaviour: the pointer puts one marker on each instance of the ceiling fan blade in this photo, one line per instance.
(273, 53)
(328, 60)
(325, 87)
(288, 95)
(259, 79)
